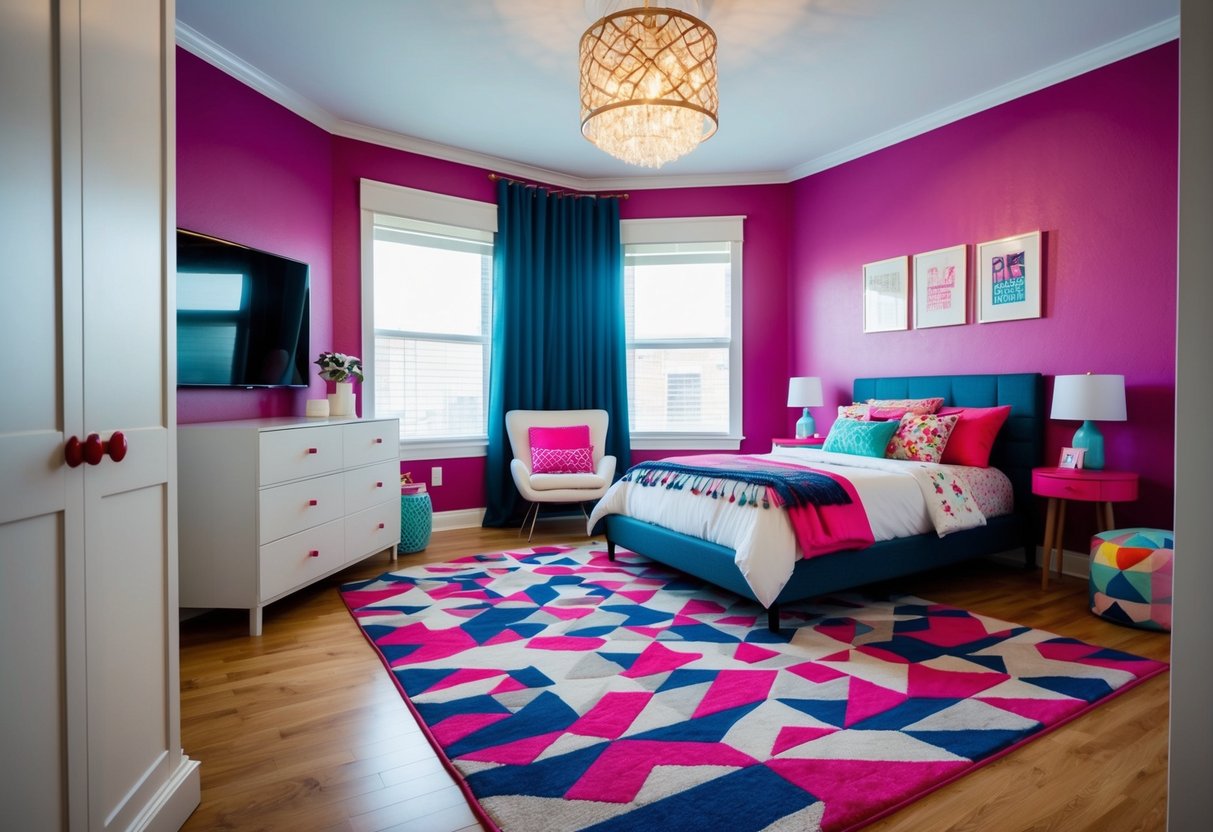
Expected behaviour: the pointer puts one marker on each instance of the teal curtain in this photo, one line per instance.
(558, 323)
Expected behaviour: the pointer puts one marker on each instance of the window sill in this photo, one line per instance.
(686, 442)
(444, 449)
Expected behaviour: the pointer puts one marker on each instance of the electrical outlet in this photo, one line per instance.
(436, 476)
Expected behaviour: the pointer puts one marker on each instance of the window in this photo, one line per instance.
(428, 271)
(682, 285)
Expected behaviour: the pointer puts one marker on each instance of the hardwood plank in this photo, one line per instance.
(302, 729)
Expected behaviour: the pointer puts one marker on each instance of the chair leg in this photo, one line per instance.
(533, 519)
(531, 507)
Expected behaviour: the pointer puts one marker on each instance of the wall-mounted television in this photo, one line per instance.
(242, 315)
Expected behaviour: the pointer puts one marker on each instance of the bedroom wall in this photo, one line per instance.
(251, 171)
(1091, 162)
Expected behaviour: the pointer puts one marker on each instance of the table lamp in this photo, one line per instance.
(1090, 398)
(805, 391)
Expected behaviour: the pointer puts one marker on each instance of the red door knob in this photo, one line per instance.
(73, 452)
(95, 449)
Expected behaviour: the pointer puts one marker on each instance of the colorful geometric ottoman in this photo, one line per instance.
(1131, 577)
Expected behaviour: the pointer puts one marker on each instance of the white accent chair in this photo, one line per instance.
(557, 488)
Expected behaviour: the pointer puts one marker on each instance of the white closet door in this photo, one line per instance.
(40, 498)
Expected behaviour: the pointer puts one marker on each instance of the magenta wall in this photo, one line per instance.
(251, 171)
(1092, 162)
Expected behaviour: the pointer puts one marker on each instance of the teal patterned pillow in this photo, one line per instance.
(849, 436)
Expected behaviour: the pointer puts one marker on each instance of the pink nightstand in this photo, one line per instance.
(1060, 484)
(809, 442)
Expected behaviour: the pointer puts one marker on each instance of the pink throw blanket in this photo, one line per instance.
(819, 529)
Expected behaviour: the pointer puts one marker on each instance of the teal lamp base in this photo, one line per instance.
(1089, 438)
(805, 426)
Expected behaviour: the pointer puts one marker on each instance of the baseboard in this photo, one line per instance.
(1075, 564)
(176, 800)
(464, 518)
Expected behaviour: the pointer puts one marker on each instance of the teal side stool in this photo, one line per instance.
(416, 522)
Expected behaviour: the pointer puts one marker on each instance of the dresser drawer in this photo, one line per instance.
(294, 561)
(290, 508)
(372, 530)
(367, 442)
(372, 485)
(301, 452)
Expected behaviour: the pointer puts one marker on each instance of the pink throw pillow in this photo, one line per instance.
(562, 460)
(974, 435)
(563, 438)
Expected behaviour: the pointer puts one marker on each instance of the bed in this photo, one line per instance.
(1017, 449)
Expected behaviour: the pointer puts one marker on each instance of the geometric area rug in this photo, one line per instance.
(566, 691)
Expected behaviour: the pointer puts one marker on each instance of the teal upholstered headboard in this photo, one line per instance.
(1020, 444)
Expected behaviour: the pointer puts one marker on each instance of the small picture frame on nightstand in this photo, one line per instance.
(1071, 457)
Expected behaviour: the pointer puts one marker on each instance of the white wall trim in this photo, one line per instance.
(198, 44)
(1147, 38)
(464, 518)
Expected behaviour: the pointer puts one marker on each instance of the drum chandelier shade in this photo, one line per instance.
(648, 84)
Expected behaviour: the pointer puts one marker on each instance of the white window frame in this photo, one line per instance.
(411, 203)
(700, 230)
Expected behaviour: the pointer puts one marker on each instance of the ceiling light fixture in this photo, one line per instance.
(648, 84)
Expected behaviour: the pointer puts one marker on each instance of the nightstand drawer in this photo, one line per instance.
(1091, 486)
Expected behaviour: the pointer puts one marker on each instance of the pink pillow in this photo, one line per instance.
(571, 436)
(562, 460)
(561, 450)
(974, 435)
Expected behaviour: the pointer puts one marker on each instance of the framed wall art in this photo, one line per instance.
(1009, 278)
(940, 287)
(886, 295)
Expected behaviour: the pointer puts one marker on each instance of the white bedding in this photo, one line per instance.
(893, 492)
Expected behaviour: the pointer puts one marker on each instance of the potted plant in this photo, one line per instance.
(340, 369)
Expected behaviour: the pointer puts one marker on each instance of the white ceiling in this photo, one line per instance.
(804, 84)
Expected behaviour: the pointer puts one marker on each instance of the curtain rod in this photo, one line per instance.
(558, 191)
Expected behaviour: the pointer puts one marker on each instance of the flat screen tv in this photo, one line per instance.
(242, 315)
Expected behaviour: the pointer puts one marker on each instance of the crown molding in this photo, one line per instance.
(199, 45)
(1139, 41)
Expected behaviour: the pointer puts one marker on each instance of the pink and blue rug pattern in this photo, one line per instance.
(570, 692)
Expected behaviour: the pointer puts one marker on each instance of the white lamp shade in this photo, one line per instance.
(804, 391)
(1099, 398)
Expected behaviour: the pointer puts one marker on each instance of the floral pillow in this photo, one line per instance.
(921, 437)
(858, 412)
(891, 406)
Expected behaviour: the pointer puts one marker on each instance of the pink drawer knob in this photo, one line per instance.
(313, 450)
(313, 502)
(378, 440)
(315, 553)
(379, 485)
(382, 526)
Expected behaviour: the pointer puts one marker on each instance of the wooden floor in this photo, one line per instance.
(302, 729)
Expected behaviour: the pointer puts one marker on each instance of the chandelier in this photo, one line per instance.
(648, 84)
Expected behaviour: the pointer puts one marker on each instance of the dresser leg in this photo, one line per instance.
(254, 621)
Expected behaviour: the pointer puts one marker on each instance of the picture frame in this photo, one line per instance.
(886, 295)
(941, 280)
(1071, 458)
(1009, 275)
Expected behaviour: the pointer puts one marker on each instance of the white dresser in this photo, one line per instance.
(267, 506)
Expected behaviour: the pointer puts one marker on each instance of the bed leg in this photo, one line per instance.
(773, 618)
(610, 550)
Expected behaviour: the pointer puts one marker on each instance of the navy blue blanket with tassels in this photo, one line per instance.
(745, 480)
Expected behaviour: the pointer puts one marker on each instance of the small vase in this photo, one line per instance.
(341, 402)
